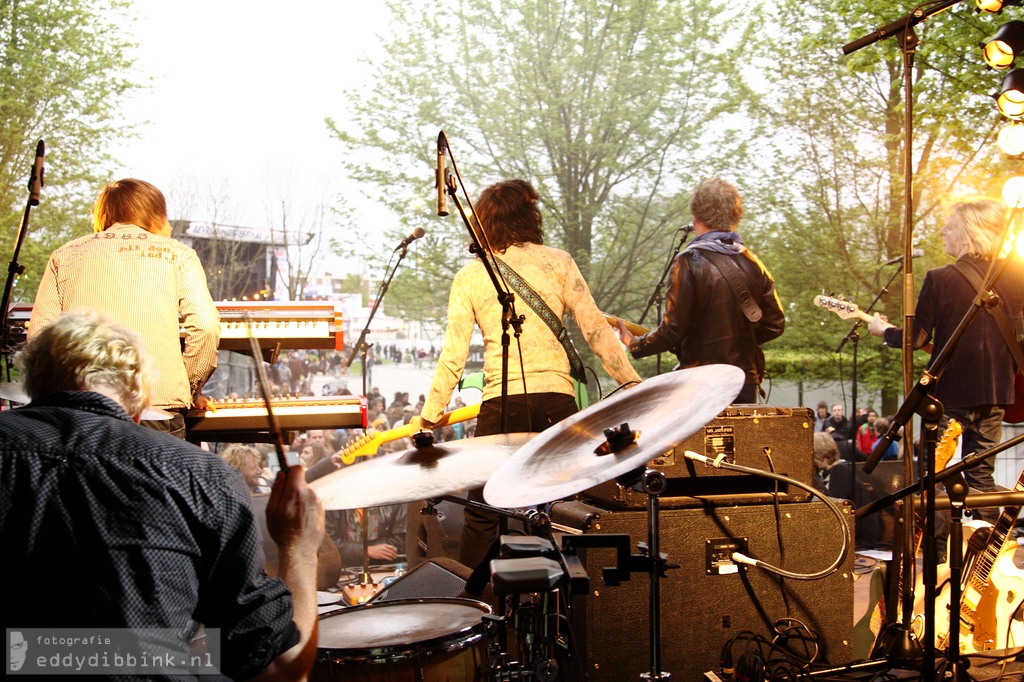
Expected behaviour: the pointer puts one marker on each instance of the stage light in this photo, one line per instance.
(1007, 43)
(993, 6)
(1013, 192)
(1011, 139)
(1010, 98)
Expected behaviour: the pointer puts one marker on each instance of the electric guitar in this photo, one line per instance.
(848, 310)
(992, 590)
(369, 443)
(631, 327)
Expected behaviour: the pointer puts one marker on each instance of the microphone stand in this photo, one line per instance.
(900, 549)
(15, 269)
(920, 401)
(656, 297)
(903, 29)
(363, 348)
(481, 247)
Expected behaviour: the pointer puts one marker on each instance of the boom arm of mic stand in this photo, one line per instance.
(878, 297)
(661, 281)
(898, 26)
(968, 462)
(381, 292)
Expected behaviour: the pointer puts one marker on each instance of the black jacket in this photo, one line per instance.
(980, 370)
(704, 324)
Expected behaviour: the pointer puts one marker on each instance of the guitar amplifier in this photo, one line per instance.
(706, 605)
(778, 439)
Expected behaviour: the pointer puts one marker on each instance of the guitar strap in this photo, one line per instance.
(997, 312)
(737, 280)
(544, 312)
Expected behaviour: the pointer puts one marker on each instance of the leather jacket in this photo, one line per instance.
(704, 324)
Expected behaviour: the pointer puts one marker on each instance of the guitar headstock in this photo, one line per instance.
(946, 447)
(841, 307)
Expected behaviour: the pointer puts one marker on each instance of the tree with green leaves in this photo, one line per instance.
(609, 108)
(63, 67)
(838, 142)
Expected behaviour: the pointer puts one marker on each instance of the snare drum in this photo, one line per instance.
(428, 640)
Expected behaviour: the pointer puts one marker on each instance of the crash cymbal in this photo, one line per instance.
(418, 474)
(565, 459)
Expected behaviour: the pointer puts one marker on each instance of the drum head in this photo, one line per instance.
(396, 624)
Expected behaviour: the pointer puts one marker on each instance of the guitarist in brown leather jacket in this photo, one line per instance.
(721, 304)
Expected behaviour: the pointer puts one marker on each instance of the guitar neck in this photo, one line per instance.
(987, 559)
(631, 327)
(368, 444)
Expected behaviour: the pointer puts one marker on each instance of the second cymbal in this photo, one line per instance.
(572, 455)
(418, 473)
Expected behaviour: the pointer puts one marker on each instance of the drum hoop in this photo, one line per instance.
(456, 640)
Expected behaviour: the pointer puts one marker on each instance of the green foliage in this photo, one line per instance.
(838, 144)
(62, 77)
(611, 109)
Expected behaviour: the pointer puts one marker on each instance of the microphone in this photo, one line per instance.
(440, 179)
(916, 253)
(416, 234)
(35, 181)
(686, 229)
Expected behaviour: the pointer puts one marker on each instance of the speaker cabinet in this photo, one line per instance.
(761, 437)
(704, 603)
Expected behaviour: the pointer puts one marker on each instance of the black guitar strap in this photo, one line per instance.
(737, 282)
(997, 312)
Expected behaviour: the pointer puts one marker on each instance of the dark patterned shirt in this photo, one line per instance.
(108, 524)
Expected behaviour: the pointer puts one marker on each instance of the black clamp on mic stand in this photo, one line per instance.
(35, 186)
(920, 401)
(482, 248)
(657, 297)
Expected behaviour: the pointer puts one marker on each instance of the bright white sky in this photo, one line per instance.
(240, 87)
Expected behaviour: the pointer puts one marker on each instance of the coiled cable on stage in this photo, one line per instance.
(720, 463)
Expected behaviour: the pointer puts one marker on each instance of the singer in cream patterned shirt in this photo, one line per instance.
(132, 270)
(542, 393)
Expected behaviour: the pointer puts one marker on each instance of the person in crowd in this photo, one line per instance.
(385, 527)
(866, 433)
(820, 416)
(325, 438)
(161, 531)
(246, 459)
(542, 392)
(312, 453)
(721, 305)
(837, 425)
(977, 382)
(882, 426)
(131, 270)
(843, 479)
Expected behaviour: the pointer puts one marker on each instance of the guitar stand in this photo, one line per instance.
(954, 667)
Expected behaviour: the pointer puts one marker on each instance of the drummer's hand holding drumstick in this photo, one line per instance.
(295, 521)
